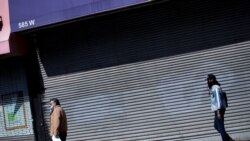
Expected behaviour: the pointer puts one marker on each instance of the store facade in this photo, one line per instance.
(137, 72)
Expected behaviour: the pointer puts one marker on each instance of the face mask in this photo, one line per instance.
(50, 110)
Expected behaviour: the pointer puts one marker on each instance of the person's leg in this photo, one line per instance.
(221, 127)
(63, 136)
(216, 122)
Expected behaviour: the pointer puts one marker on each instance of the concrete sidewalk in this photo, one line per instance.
(236, 136)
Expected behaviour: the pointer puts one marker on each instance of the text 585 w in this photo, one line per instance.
(26, 24)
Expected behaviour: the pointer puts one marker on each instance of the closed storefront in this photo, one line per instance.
(16, 122)
(140, 74)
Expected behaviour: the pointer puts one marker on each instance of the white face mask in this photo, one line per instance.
(51, 108)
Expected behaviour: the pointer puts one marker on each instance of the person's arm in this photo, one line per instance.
(56, 121)
(218, 114)
(218, 100)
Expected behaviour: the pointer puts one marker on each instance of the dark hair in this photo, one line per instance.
(212, 77)
(55, 100)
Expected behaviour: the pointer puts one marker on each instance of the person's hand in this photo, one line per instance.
(55, 138)
(218, 114)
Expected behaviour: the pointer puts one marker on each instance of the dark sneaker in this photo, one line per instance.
(232, 139)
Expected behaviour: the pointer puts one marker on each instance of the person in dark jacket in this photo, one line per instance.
(218, 106)
(58, 120)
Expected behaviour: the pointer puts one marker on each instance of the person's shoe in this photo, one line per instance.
(232, 139)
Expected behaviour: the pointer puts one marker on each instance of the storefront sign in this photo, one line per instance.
(4, 27)
(27, 14)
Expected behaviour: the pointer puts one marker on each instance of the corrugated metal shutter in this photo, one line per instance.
(13, 80)
(140, 75)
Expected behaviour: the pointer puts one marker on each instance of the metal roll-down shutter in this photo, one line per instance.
(140, 75)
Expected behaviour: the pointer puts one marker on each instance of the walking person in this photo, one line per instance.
(58, 121)
(218, 106)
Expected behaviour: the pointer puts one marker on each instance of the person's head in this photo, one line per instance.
(211, 80)
(53, 102)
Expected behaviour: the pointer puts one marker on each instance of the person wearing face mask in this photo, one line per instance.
(58, 121)
(218, 106)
